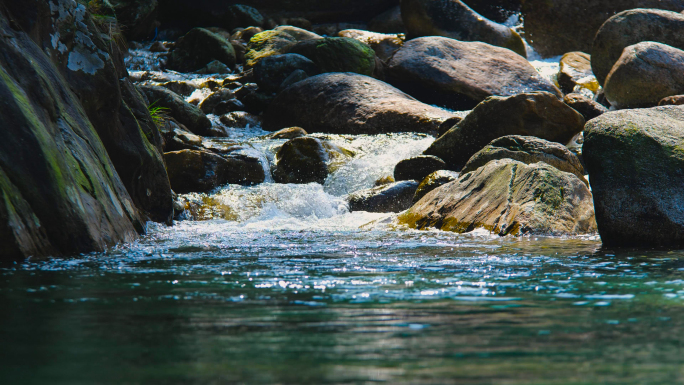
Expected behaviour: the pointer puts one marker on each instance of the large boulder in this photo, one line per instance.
(459, 75)
(338, 54)
(554, 27)
(539, 114)
(389, 198)
(270, 72)
(432, 181)
(645, 74)
(635, 159)
(507, 197)
(454, 19)
(60, 192)
(302, 160)
(527, 149)
(185, 113)
(198, 48)
(346, 103)
(632, 27)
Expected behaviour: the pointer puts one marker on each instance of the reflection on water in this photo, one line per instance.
(217, 302)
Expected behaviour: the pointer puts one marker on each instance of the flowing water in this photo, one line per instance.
(282, 284)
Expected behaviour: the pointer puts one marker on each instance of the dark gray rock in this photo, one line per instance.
(432, 181)
(585, 106)
(198, 48)
(301, 160)
(272, 71)
(187, 114)
(418, 167)
(389, 198)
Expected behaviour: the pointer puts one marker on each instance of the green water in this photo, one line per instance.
(218, 302)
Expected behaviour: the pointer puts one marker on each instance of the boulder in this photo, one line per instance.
(301, 160)
(675, 100)
(271, 72)
(575, 69)
(418, 167)
(538, 114)
(228, 106)
(554, 27)
(240, 119)
(635, 160)
(454, 19)
(388, 22)
(458, 75)
(528, 150)
(176, 138)
(198, 48)
(338, 54)
(203, 171)
(645, 74)
(138, 18)
(585, 106)
(432, 181)
(632, 27)
(210, 102)
(346, 103)
(389, 198)
(267, 43)
(384, 45)
(507, 197)
(187, 114)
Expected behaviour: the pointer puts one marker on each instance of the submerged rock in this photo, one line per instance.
(454, 19)
(645, 74)
(203, 171)
(418, 167)
(301, 160)
(507, 197)
(635, 159)
(538, 114)
(434, 180)
(338, 54)
(528, 150)
(459, 75)
(346, 103)
(389, 198)
(198, 48)
(633, 27)
(187, 114)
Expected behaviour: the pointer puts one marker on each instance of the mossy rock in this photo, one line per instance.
(432, 181)
(338, 54)
(198, 48)
(267, 43)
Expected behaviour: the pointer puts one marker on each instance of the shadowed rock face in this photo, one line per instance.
(454, 19)
(633, 27)
(507, 197)
(389, 198)
(346, 103)
(635, 159)
(459, 75)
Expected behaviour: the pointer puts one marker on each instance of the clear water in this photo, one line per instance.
(282, 284)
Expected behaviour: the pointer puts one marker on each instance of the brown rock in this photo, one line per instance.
(434, 180)
(675, 100)
(585, 106)
(575, 69)
(384, 45)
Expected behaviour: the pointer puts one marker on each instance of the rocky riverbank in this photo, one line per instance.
(113, 108)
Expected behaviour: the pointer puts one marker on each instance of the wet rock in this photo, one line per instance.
(496, 10)
(346, 103)
(187, 114)
(137, 18)
(198, 48)
(209, 104)
(633, 27)
(418, 167)
(538, 114)
(298, 33)
(454, 19)
(270, 72)
(214, 67)
(228, 106)
(384, 45)
(575, 69)
(240, 119)
(158, 46)
(675, 100)
(528, 150)
(301, 160)
(458, 75)
(385, 180)
(636, 166)
(390, 198)
(177, 138)
(432, 181)
(267, 43)
(507, 197)
(338, 54)
(257, 101)
(554, 27)
(388, 22)
(288, 133)
(247, 34)
(180, 87)
(645, 73)
(585, 106)
(203, 171)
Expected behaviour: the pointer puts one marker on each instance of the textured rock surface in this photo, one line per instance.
(389, 198)
(458, 75)
(272, 71)
(434, 180)
(418, 167)
(345, 103)
(454, 19)
(384, 45)
(202, 171)
(585, 106)
(301, 160)
(635, 159)
(338, 54)
(538, 114)
(575, 68)
(198, 48)
(507, 197)
(632, 27)
(268, 43)
(645, 73)
(187, 114)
